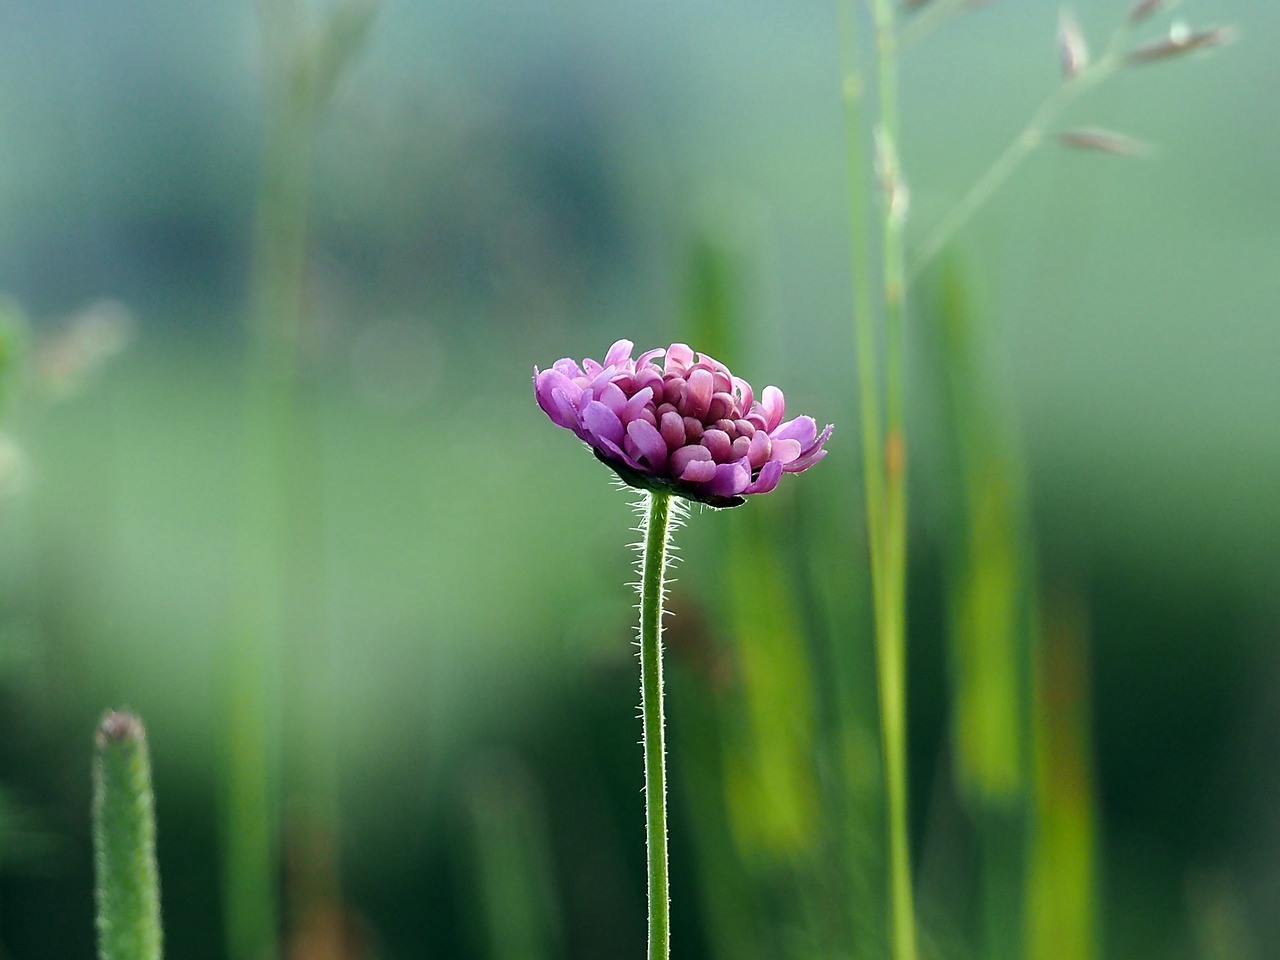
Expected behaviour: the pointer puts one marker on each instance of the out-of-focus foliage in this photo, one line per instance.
(501, 184)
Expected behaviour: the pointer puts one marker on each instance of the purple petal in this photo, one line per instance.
(686, 458)
(679, 358)
(760, 450)
(812, 454)
(650, 377)
(567, 367)
(769, 476)
(723, 378)
(557, 395)
(632, 408)
(699, 471)
(650, 447)
(619, 353)
(805, 461)
(784, 451)
(730, 479)
(772, 405)
(602, 422)
(697, 396)
(718, 443)
(721, 407)
(614, 452)
(672, 429)
(647, 358)
(611, 395)
(802, 429)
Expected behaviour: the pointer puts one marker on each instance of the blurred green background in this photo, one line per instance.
(427, 582)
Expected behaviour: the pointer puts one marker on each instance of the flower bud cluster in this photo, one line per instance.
(689, 426)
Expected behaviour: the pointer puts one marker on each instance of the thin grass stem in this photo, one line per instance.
(891, 597)
(270, 408)
(882, 433)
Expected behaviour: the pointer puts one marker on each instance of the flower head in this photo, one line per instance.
(689, 427)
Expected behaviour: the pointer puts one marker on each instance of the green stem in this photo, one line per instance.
(124, 843)
(657, 534)
(860, 251)
(268, 513)
(889, 559)
(883, 476)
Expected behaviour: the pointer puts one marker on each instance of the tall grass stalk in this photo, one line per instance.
(883, 434)
(251, 830)
(301, 63)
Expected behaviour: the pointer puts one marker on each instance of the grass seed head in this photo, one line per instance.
(1181, 39)
(1072, 48)
(1102, 141)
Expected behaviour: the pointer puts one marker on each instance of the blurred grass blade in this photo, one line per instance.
(770, 786)
(989, 567)
(989, 572)
(1061, 878)
(513, 863)
(754, 753)
(770, 793)
(124, 842)
(281, 554)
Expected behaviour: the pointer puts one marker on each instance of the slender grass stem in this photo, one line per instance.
(279, 543)
(657, 528)
(270, 411)
(860, 251)
(883, 462)
(891, 596)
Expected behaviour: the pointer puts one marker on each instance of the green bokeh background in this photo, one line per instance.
(500, 184)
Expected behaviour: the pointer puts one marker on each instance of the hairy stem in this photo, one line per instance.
(657, 529)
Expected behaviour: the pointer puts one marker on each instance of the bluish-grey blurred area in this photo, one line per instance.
(448, 658)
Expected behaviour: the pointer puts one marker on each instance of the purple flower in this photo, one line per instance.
(690, 426)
